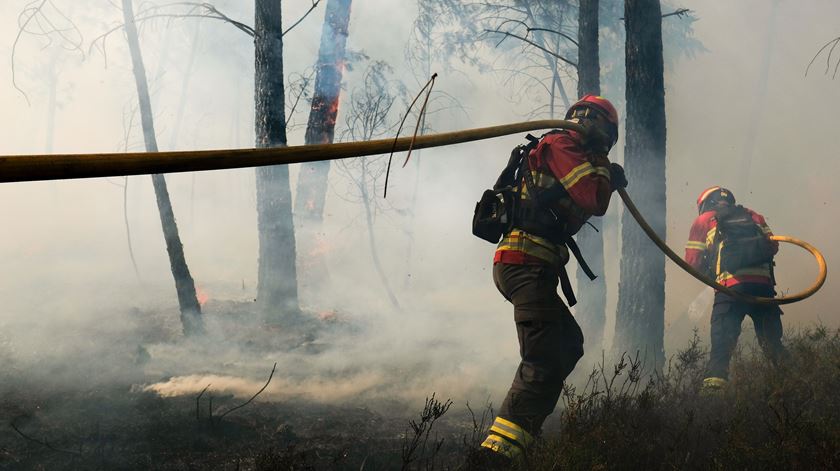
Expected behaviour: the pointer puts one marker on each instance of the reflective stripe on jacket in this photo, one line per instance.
(559, 159)
(701, 246)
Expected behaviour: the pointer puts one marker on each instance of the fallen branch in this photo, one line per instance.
(252, 397)
(44, 444)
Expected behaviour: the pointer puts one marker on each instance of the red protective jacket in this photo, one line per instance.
(701, 244)
(560, 159)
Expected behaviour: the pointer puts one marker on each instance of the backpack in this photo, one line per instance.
(500, 208)
(739, 241)
(496, 210)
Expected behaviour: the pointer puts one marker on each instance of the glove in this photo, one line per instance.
(617, 178)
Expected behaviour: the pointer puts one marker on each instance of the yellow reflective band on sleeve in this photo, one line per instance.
(502, 446)
(695, 245)
(511, 430)
(576, 174)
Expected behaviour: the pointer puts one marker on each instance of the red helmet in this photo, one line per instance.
(712, 196)
(599, 103)
(602, 107)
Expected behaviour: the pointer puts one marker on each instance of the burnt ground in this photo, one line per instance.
(121, 429)
(87, 408)
(91, 409)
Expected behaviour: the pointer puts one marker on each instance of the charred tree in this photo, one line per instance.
(640, 320)
(591, 312)
(320, 129)
(277, 294)
(184, 285)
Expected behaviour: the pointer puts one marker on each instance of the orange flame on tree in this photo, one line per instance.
(201, 296)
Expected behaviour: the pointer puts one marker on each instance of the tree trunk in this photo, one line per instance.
(277, 274)
(320, 129)
(188, 302)
(591, 312)
(640, 320)
(742, 184)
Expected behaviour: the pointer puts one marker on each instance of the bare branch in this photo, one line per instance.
(42, 443)
(192, 10)
(559, 33)
(34, 21)
(524, 39)
(314, 5)
(831, 45)
(197, 399)
(252, 397)
(678, 12)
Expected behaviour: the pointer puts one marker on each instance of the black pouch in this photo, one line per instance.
(493, 215)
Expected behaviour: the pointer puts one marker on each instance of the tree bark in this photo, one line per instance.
(640, 320)
(759, 104)
(277, 275)
(591, 312)
(320, 129)
(185, 287)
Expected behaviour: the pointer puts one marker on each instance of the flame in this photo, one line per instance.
(320, 247)
(328, 316)
(310, 205)
(201, 296)
(331, 113)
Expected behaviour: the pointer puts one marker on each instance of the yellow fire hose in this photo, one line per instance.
(21, 168)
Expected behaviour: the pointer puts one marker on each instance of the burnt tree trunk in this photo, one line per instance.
(277, 275)
(640, 320)
(591, 312)
(320, 129)
(188, 302)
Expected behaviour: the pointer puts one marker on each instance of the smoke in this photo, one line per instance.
(75, 314)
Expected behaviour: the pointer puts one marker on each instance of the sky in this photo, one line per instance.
(63, 245)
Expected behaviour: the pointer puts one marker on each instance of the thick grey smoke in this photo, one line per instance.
(70, 295)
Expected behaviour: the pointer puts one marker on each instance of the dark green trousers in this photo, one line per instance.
(728, 314)
(550, 342)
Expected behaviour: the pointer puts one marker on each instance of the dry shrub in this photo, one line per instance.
(771, 416)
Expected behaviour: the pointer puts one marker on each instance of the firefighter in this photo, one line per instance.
(732, 244)
(565, 178)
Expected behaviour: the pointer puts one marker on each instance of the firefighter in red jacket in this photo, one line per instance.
(570, 180)
(704, 252)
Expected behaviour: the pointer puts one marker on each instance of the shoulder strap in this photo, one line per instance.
(535, 193)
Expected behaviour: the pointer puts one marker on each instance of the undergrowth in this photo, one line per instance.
(625, 416)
